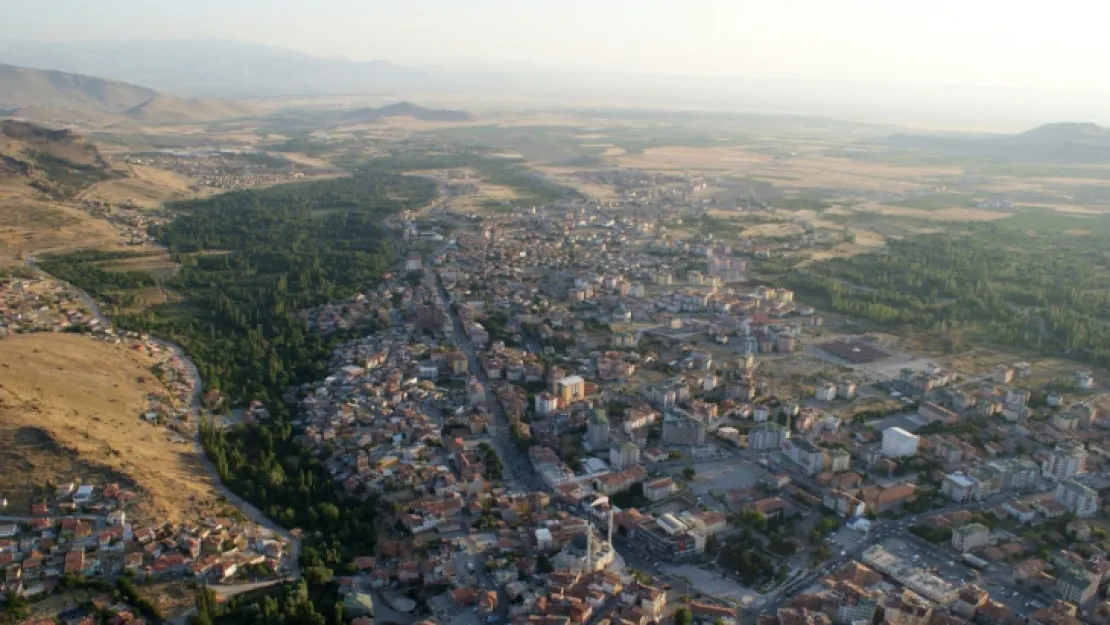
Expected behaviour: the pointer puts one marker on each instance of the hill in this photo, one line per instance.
(22, 87)
(212, 67)
(51, 95)
(1050, 143)
(163, 108)
(57, 162)
(406, 109)
(69, 409)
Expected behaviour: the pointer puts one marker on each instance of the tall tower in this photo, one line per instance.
(589, 546)
(610, 537)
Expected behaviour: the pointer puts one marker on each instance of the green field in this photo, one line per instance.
(935, 201)
(1049, 221)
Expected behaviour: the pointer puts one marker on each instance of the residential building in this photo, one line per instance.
(1084, 379)
(846, 389)
(623, 456)
(825, 392)
(660, 489)
(805, 454)
(839, 460)
(1080, 500)
(546, 403)
(1068, 459)
(958, 487)
(767, 436)
(1076, 584)
(571, 388)
(898, 443)
(597, 429)
(971, 536)
(682, 430)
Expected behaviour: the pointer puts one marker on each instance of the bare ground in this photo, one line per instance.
(69, 411)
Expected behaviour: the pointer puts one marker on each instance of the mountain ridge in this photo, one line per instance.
(213, 67)
(1056, 142)
(38, 93)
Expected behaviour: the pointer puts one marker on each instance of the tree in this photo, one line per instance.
(17, 607)
(683, 616)
(689, 472)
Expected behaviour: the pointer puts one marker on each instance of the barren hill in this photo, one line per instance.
(57, 162)
(69, 410)
(22, 87)
(45, 94)
(406, 109)
(164, 108)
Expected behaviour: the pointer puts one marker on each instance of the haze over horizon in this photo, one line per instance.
(984, 43)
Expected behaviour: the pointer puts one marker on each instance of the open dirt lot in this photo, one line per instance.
(69, 411)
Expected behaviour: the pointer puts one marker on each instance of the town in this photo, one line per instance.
(576, 420)
(579, 417)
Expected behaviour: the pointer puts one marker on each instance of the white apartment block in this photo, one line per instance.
(898, 443)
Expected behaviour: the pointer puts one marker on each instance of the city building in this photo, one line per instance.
(669, 538)
(825, 392)
(1080, 500)
(971, 536)
(898, 443)
(1075, 583)
(571, 388)
(623, 456)
(597, 429)
(806, 455)
(958, 487)
(767, 436)
(839, 460)
(546, 403)
(846, 389)
(681, 430)
(1068, 459)
(659, 489)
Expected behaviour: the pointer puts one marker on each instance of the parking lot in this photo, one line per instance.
(721, 476)
(710, 583)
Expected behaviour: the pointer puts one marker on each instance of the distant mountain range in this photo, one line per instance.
(213, 67)
(40, 94)
(406, 109)
(1051, 143)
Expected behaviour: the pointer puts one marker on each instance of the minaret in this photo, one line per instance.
(589, 545)
(610, 537)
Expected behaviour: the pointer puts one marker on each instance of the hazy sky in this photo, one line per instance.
(1059, 44)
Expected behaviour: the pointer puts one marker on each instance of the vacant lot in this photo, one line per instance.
(69, 411)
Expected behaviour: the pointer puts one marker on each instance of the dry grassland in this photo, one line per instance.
(29, 226)
(721, 159)
(69, 411)
(941, 214)
(564, 176)
(145, 187)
